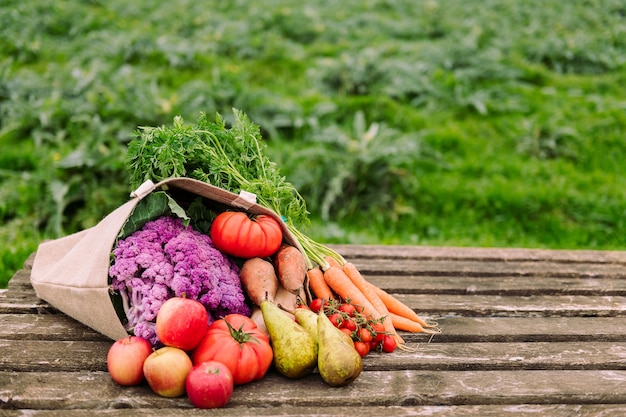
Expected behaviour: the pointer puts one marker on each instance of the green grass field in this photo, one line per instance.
(451, 122)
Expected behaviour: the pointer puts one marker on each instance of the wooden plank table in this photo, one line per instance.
(523, 331)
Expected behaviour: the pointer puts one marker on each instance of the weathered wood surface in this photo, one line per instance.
(523, 332)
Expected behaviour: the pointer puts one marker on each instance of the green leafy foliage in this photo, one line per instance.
(232, 158)
(489, 123)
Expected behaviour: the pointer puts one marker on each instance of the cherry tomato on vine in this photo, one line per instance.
(362, 347)
(364, 335)
(336, 319)
(316, 305)
(379, 329)
(348, 309)
(389, 343)
(346, 331)
(374, 345)
(349, 324)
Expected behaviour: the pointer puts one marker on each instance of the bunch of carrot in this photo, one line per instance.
(343, 280)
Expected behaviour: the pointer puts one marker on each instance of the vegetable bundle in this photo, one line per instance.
(233, 158)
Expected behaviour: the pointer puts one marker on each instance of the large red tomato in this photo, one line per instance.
(238, 343)
(236, 234)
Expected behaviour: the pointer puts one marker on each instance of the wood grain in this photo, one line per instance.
(524, 331)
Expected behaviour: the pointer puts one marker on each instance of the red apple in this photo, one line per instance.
(210, 385)
(181, 323)
(125, 360)
(166, 370)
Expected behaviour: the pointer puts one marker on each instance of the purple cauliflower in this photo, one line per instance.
(164, 259)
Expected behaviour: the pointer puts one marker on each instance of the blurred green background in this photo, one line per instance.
(451, 122)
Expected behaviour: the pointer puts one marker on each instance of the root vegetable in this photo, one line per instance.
(259, 280)
(287, 300)
(395, 306)
(332, 261)
(318, 285)
(291, 268)
(408, 325)
(367, 289)
(341, 285)
(257, 318)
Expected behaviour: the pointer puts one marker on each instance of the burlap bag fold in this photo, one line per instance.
(72, 273)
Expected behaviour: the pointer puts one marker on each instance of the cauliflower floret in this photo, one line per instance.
(164, 259)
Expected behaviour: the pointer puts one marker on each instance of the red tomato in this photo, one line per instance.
(364, 335)
(316, 305)
(362, 347)
(236, 234)
(374, 345)
(379, 330)
(389, 343)
(348, 324)
(346, 331)
(336, 319)
(239, 344)
(349, 309)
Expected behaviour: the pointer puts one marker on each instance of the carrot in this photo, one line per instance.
(258, 280)
(341, 285)
(332, 261)
(408, 325)
(291, 268)
(318, 285)
(367, 290)
(396, 306)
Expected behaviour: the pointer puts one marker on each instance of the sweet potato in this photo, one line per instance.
(287, 300)
(257, 317)
(258, 280)
(291, 268)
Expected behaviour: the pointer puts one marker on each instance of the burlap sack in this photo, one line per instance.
(72, 273)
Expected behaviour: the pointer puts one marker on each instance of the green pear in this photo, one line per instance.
(338, 361)
(295, 350)
(307, 319)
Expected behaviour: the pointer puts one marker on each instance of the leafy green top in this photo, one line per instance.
(230, 158)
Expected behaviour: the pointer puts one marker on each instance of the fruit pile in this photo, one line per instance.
(205, 362)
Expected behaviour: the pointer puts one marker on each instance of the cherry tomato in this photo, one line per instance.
(316, 305)
(346, 331)
(379, 331)
(374, 346)
(336, 319)
(362, 347)
(364, 335)
(348, 309)
(389, 343)
(349, 324)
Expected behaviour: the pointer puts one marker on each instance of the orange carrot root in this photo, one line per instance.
(408, 325)
(332, 261)
(341, 285)
(318, 285)
(395, 306)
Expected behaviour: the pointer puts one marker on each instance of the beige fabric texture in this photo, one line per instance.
(72, 273)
